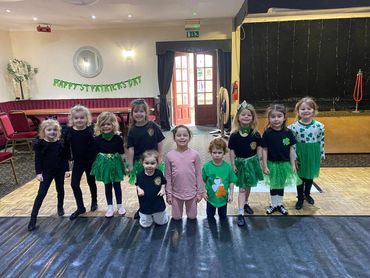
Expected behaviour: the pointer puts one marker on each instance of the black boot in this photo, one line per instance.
(94, 206)
(299, 204)
(300, 197)
(60, 211)
(32, 225)
(307, 192)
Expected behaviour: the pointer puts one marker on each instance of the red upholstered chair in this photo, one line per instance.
(19, 121)
(15, 138)
(7, 157)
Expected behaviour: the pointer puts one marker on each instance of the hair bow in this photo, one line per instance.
(244, 105)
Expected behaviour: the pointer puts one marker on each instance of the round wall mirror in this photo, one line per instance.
(88, 61)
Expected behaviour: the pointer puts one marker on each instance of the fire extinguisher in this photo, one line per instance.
(235, 93)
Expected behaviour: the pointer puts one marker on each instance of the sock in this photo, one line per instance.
(110, 207)
(279, 200)
(274, 200)
(119, 206)
(241, 211)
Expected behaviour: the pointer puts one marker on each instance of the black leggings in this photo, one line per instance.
(305, 188)
(117, 191)
(43, 190)
(78, 170)
(279, 192)
(211, 211)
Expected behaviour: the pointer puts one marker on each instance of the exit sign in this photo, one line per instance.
(192, 34)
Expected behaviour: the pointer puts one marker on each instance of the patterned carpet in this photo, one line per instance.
(24, 163)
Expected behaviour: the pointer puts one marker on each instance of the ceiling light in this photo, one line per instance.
(129, 16)
(8, 11)
(128, 54)
(194, 13)
(93, 17)
(34, 18)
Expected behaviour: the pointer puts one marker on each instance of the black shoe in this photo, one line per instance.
(271, 210)
(299, 204)
(32, 225)
(94, 206)
(309, 199)
(282, 210)
(137, 215)
(248, 209)
(241, 220)
(77, 213)
(60, 211)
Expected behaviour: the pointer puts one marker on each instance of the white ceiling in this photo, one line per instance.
(61, 14)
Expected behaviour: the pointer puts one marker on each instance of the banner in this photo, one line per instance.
(97, 87)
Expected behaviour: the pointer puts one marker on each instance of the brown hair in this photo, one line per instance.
(310, 102)
(217, 143)
(105, 117)
(79, 108)
(49, 122)
(276, 108)
(136, 104)
(150, 153)
(174, 131)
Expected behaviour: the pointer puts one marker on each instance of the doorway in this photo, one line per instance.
(194, 85)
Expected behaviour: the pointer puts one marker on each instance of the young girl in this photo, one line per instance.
(108, 166)
(184, 175)
(309, 149)
(245, 155)
(219, 178)
(143, 135)
(150, 184)
(79, 138)
(51, 163)
(278, 157)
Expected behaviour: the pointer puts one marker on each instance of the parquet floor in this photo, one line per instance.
(346, 191)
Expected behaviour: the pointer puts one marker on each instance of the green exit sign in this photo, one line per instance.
(192, 34)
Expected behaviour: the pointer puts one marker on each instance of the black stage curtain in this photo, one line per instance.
(165, 70)
(224, 72)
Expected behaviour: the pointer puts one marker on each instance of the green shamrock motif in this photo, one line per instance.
(286, 141)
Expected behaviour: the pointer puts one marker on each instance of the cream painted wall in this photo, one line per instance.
(5, 54)
(52, 53)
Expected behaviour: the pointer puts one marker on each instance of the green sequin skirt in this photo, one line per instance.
(308, 158)
(281, 175)
(249, 171)
(108, 168)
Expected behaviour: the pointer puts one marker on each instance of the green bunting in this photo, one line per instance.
(97, 87)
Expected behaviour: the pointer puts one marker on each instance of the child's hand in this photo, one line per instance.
(199, 198)
(67, 174)
(266, 170)
(230, 198)
(161, 192)
(140, 192)
(128, 169)
(205, 196)
(39, 177)
(294, 169)
(235, 169)
(296, 164)
(169, 200)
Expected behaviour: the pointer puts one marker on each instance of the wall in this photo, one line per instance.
(53, 52)
(5, 54)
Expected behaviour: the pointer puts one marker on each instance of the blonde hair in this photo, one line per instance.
(105, 117)
(310, 102)
(79, 108)
(136, 104)
(150, 153)
(217, 143)
(49, 122)
(276, 108)
(236, 125)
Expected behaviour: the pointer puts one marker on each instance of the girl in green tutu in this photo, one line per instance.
(245, 155)
(108, 165)
(143, 135)
(309, 149)
(278, 157)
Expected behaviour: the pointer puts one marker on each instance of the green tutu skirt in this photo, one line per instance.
(137, 168)
(108, 168)
(309, 158)
(281, 175)
(249, 171)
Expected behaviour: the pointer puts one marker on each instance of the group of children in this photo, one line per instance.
(281, 157)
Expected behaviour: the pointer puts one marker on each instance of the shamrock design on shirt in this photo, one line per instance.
(286, 141)
(218, 188)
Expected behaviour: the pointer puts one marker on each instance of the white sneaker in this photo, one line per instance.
(109, 213)
(121, 211)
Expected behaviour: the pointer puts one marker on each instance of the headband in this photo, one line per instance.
(244, 105)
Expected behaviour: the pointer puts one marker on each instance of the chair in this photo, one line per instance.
(19, 121)
(7, 157)
(15, 137)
